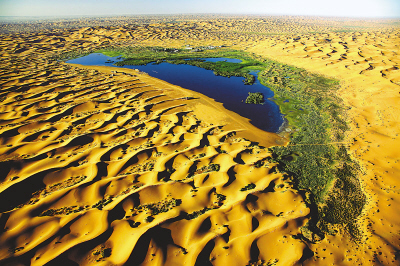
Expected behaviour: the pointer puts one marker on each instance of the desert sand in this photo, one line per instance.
(121, 168)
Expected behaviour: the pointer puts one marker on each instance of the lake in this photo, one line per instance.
(231, 92)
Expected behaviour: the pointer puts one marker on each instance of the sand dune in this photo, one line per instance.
(128, 169)
(124, 169)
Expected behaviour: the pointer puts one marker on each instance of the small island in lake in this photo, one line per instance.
(255, 98)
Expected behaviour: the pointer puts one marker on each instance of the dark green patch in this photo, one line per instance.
(103, 253)
(63, 211)
(159, 207)
(220, 198)
(255, 98)
(205, 169)
(248, 187)
(196, 214)
(102, 203)
(316, 156)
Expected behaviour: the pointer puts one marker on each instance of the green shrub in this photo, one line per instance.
(255, 98)
(248, 187)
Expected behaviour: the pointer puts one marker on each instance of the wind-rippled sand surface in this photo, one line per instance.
(126, 169)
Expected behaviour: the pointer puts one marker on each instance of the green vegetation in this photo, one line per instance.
(220, 198)
(316, 157)
(194, 215)
(65, 184)
(103, 253)
(219, 201)
(220, 68)
(255, 98)
(271, 262)
(248, 187)
(63, 211)
(145, 55)
(159, 207)
(205, 169)
(103, 202)
(109, 53)
(37, 195)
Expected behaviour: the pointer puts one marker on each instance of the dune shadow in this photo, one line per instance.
(80, 250)
(204, 142)
(38, 95)
(62, 259)
(231, 175)
(203, 259)
(116, 213)
(121, 133)
(254, 224)
(180, 116)
(166, 174)
(3, 220)
(205, 226)
(270, 188)
(254, 251)
(80, 141)
(22, 191)
(161, 237)
(134, 159)
(154, 97)
(6, 167)
(114, 119)
(307, 254)
(58, 117)
(9, 133)
(194, 126)
(238, 159)
(107, 156)
(45, 109)
(147, 108)
(81, 121)
(134, 117)
(36, 135)
(226, 236)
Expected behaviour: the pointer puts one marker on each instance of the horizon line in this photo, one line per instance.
(202, 14)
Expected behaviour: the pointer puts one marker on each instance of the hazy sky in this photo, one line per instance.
(344, 8)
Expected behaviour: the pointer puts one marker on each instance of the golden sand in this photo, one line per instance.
(116, 169)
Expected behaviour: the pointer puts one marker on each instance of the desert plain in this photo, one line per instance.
(110, 166)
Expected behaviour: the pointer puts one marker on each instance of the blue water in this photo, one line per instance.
(95, 59)
(231, 92)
